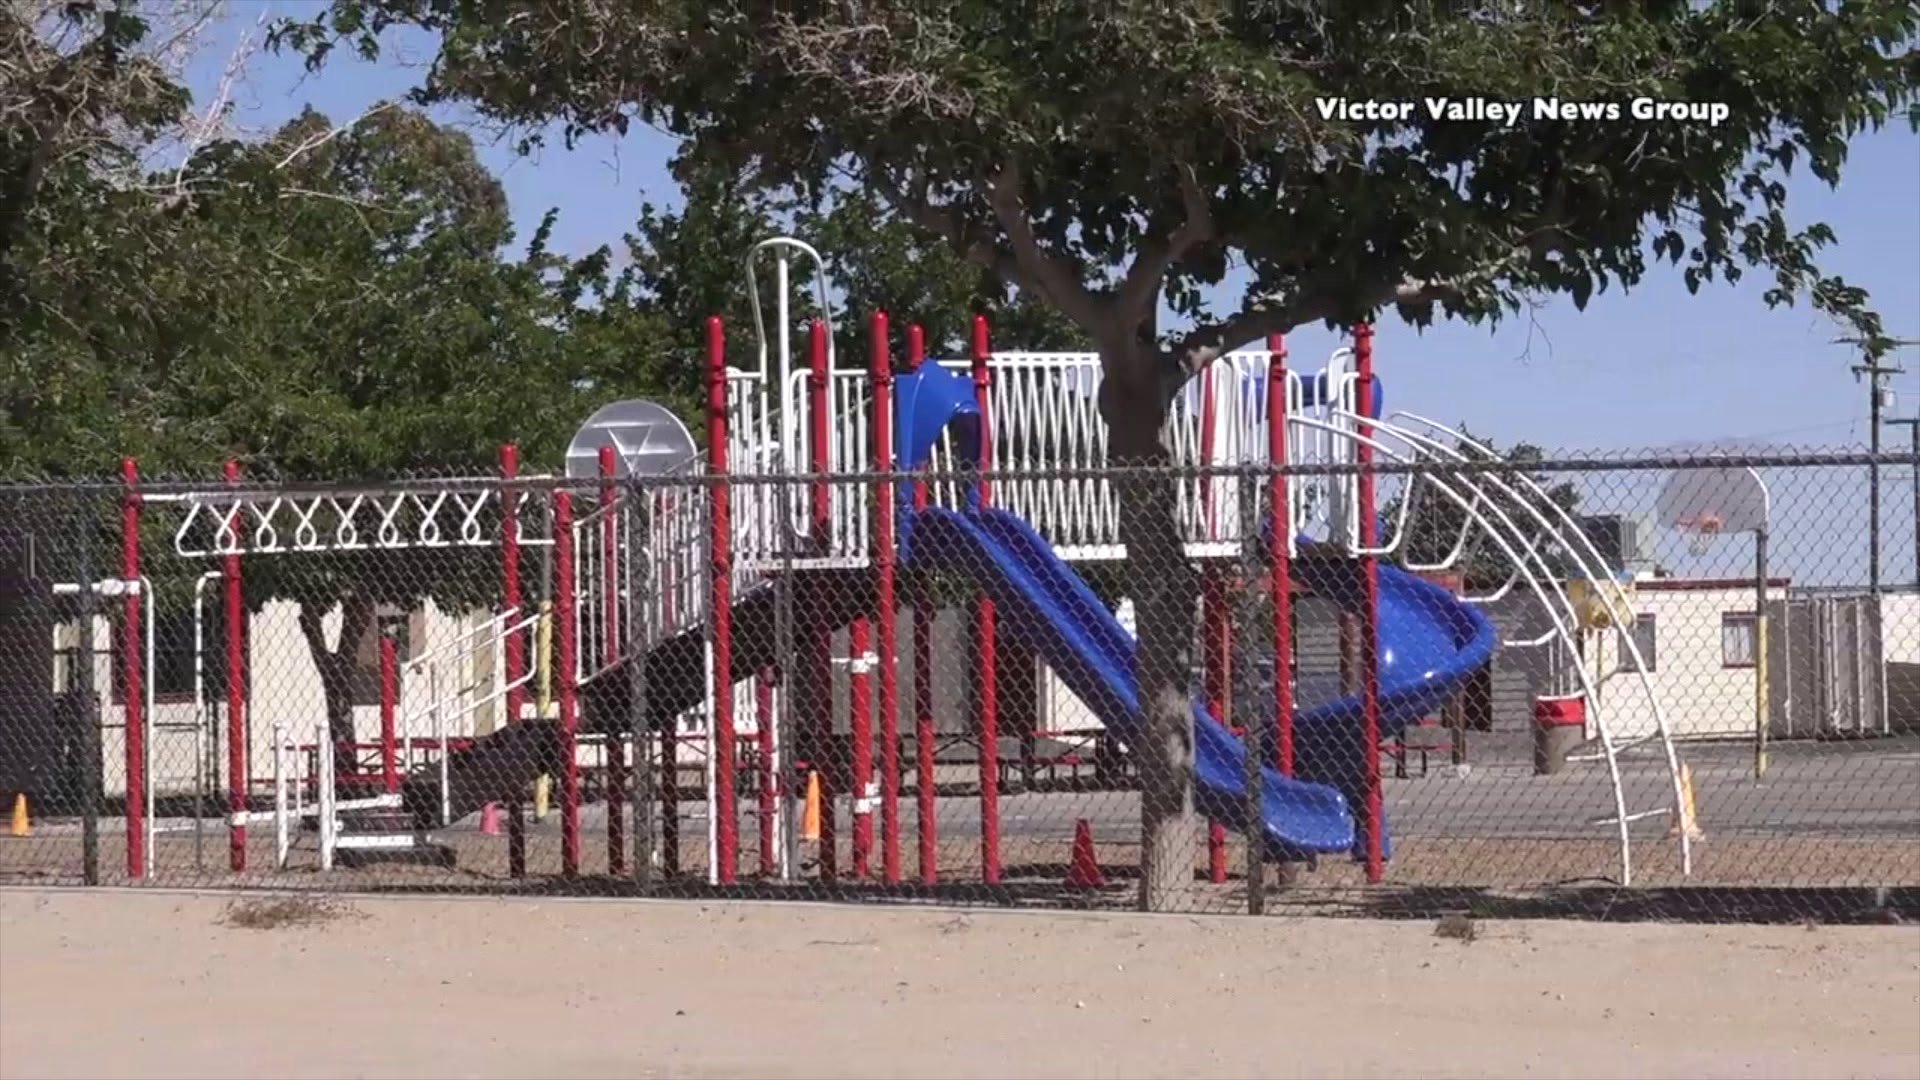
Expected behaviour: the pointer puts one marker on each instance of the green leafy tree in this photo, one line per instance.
(88, 236)
(691, 264)
(330, 303)
(390, 339)
(1109, 157)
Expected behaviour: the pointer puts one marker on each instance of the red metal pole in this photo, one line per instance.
(820, 633)
(1280, 573)
(389, 733)
(515, 644)
(925, 785)
(860, 700)
(237, 770)
(610, 653)
(988, 636)
(132, 665)
(769, 790)
(727, 845)
(567, 661)
(1370, 608)
(885, 597)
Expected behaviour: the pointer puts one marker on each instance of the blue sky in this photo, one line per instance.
(1638, 371)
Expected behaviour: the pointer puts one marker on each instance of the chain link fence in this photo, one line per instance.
(1517, 684)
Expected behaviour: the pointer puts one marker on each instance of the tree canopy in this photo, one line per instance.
(1107, 156)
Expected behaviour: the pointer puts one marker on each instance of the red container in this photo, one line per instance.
(1559, 725)
(1560, 712)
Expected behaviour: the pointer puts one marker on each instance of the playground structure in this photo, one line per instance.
(685, 601)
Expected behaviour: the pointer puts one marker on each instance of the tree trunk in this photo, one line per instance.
(1165, 589)
(335, 666)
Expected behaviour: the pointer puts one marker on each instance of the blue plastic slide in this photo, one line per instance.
(1429, 642)
(1042, 601)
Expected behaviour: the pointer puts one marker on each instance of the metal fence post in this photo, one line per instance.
(640, 639)
(1253, 733)
(87, 701)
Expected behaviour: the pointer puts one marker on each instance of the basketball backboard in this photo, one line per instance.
(647, 440)
(1725, 499)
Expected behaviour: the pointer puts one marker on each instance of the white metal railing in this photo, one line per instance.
(1574, 542)
(602, 542)
(1044, 415)
(294, 773)
(454, 693)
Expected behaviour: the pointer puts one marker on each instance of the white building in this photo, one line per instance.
(1697, 636)
(1698, 639)
(185, 684)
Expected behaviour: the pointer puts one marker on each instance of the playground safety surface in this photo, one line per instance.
(482, 988)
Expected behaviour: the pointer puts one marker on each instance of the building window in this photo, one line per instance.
(1646, 637)
(1737, 639)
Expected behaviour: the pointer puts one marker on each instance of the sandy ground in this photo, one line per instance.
(108, 984)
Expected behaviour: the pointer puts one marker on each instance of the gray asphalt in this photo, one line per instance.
(1861, 790)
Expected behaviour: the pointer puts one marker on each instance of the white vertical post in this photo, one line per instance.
(785, 389)
(325, 809)
(783, 806)
(280, 752)
(145, 588)
(440, 736)
(713, 794)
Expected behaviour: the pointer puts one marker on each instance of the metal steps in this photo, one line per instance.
(385, 835)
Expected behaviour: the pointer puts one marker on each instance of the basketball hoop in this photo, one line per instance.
(1702, 530)
(1706, 502)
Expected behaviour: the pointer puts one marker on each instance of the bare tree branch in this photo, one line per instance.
(1209, 343)
(201, 129)
(1049, 275)
(1411, 295)
(315, 142)
(919, 208)
(1141, 287)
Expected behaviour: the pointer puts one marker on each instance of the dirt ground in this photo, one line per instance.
(110, 983)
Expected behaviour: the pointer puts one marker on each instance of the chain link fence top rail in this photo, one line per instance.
(1511, 679)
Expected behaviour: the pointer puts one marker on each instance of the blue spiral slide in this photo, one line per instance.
(1429, 644)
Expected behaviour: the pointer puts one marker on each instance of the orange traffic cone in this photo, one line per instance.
(490, 819)
(1084, 871)
(22, 824)
(810, 817)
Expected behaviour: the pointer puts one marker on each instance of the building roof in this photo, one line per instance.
(1714, 584)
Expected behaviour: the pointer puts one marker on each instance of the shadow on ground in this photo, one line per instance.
(1043, 889)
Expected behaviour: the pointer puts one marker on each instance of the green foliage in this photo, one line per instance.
(338, 303)
(691, 264)
(79, 239)
(880, 262)
(1107, 155)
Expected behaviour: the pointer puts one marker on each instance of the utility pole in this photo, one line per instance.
(1874, 371)
(1913, 429)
